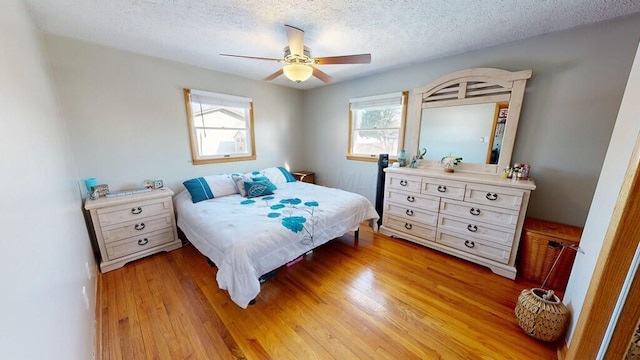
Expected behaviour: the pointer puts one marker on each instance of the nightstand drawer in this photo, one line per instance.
(134, 211)
(138, 243)
(136, 228)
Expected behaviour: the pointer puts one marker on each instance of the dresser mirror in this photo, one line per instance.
(471, 114)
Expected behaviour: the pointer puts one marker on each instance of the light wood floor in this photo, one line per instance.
(384, 299)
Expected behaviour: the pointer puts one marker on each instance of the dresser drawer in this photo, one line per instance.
(403, 182)
(134, 211)
(425, 202)
(410, 227)
(411, 214)
(473, 246)
(138, 243)
(137, 227)
(477, 230)
(475, 212)
(444, 188)
(494, 196)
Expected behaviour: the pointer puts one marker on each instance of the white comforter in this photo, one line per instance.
(247, 238)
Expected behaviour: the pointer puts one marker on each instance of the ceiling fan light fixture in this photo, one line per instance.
(297, 72)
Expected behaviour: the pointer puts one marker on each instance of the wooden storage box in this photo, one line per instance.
(540, 246)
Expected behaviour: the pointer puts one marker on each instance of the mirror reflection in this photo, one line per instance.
(473, 132)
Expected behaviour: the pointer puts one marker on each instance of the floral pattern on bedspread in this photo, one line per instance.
(246, 238)
(294, 217)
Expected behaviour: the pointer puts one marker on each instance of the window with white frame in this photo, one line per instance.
(376, 126)
(220, 127)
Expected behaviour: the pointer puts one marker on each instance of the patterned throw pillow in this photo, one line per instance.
(239, 181)
(257, 188)
(266, 179)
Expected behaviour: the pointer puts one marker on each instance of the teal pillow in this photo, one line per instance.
(287, 175)
(257, 188)
(264, 178)
(199, 189)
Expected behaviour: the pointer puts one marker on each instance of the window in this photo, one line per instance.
(376, 126)
(220, 127)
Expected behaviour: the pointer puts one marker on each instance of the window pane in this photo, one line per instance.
(220, 117)
(213, 142)
(387, 117)
(220, 127)
(376, 125)
(375, 141)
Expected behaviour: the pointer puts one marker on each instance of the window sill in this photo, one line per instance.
(223, 160)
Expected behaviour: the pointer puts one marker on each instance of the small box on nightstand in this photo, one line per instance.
(305, 176)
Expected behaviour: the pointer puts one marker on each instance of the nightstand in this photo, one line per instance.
(130, 227)
(305, 176)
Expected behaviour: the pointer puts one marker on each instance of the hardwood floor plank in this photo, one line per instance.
(384, 298)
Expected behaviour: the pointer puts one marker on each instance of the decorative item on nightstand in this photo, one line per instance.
(305, 176)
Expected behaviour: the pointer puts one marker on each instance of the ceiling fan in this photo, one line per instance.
(299, 65)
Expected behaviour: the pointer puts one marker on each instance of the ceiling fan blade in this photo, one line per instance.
(295, 37)
(324, 77)
(252, 57)
(345, 59)
(274, 75)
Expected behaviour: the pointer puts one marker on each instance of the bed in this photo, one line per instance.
(247, 237)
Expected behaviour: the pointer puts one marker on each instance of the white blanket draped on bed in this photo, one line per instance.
(247, 238)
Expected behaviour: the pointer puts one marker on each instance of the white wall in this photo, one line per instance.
(625, 135)
(44, 243)
(569, 110)
(127, 117)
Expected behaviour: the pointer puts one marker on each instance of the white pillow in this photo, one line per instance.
(209, 187)
(277, 175)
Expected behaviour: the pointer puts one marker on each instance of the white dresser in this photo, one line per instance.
(133, 226)
(476, 217)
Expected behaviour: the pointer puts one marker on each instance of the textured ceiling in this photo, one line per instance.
(395, 32)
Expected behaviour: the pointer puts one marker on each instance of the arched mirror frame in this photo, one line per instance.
(474, 86)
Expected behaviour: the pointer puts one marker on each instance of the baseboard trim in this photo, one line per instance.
(97, 341)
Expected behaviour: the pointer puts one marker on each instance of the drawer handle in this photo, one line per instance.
(403, 182)
(140, 226)
(469, 244)
(411, 198)
(474, 211)
(472, 228)
(136, 211)
(491, 196)
(442, 188)
(409, 212)
(143, 242)
(408, 226)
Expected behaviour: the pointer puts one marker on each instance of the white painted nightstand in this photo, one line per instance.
(133, 226)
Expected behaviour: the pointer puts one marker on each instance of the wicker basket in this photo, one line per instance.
(541, 245)
(541, 314)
